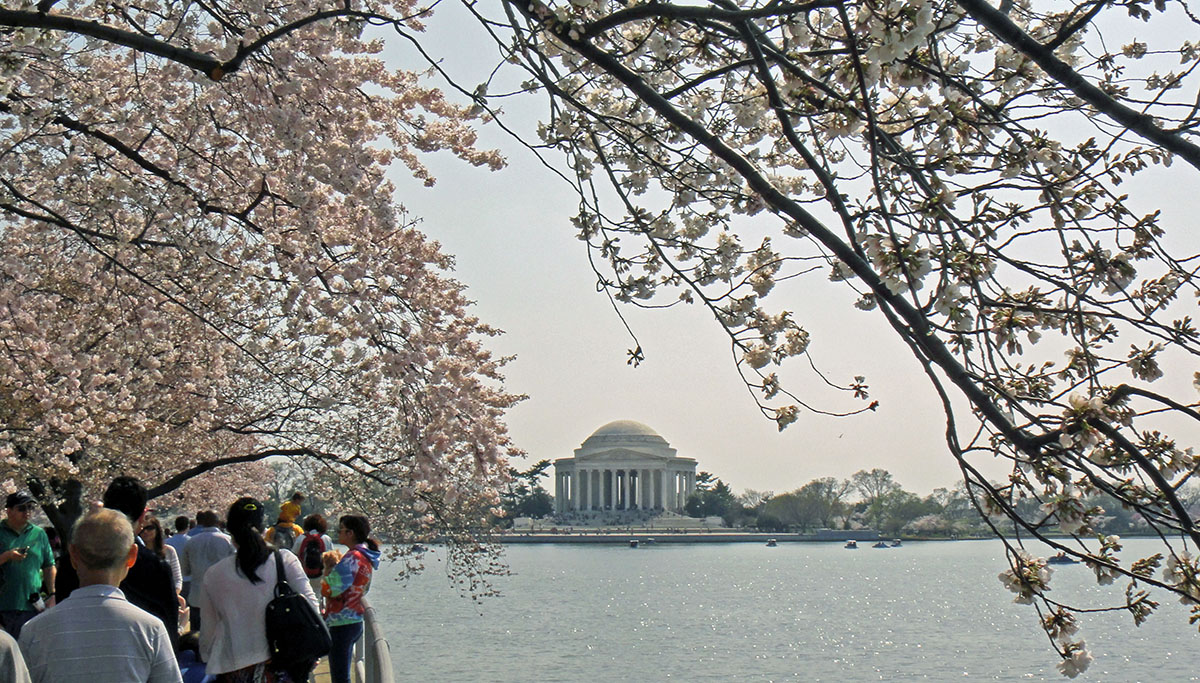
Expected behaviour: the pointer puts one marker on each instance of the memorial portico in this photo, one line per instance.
(624, 465)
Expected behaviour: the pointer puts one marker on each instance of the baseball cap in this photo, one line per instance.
(18, 498)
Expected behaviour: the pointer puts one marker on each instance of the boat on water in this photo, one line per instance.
(633, 543)
(852, 545)
(1062, 558)
(881, 544)
(896, 543)
(771, 543)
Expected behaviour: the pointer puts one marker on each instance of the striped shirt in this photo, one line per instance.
(97, 636)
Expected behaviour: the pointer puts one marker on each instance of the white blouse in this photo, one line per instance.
(173, 560)
(233, 631)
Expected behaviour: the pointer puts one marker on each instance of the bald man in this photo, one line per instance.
(96, 635)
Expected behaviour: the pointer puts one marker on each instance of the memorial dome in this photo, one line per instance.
(624, 465)
(624, 431)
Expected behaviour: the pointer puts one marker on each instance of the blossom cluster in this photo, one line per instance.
(202, 262)
(963, 167)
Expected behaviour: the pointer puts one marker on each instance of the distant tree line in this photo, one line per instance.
(868, 499)
(874, 499)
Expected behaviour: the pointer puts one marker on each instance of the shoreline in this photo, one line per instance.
(664, 536)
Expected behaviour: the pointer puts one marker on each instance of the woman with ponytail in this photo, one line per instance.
(233, 633)
(346, 581)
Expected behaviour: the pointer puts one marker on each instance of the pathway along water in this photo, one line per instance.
(372, 654)
(803, 611)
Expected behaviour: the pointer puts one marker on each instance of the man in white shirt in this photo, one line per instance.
(12, 664)
(96, 635)
(207, 547)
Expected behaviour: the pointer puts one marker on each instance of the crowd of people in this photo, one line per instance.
(124, 601)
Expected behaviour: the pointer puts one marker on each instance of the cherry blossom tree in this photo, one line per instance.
(202, 264)
(981, 176)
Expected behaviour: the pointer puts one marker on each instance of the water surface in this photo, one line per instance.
(801, 611)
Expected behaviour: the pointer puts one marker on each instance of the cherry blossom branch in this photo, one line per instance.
(1128, 390)
(915, 322)
(666, 11)
(207, 64)
(1160, 482)
(1142, 124)
(203, 63)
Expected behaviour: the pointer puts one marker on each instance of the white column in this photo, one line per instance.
(558, 492)
(662, 488)
(589, 500)
(577, 489)
(582, 475)
(562, 487)
(639, 495)
(674, 489)
(669, 490)
(670, 477)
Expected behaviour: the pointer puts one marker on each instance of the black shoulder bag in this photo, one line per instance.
(295, 632)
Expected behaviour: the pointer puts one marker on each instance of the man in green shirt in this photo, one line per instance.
(26, 564)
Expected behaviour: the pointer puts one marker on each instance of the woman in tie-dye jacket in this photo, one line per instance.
(344, 584)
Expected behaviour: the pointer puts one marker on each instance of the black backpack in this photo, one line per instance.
(311, 549)
(295, 632)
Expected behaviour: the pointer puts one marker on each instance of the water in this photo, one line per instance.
(805, 611)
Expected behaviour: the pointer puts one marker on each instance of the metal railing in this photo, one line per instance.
(372, 654)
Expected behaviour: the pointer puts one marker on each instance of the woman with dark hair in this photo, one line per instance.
(346, 581)
(233, 633)
(153, 538)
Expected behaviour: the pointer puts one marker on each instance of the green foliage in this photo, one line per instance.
(525, 496)
(712, 498)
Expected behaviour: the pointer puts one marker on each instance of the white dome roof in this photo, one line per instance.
(625, 428)
(623, 433)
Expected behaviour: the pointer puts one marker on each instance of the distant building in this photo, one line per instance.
(624, 465)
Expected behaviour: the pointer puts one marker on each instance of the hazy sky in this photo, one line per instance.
(516, 251)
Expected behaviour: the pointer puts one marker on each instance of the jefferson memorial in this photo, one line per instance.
(624, 465)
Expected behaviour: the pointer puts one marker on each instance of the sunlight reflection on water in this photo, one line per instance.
(804, 611)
